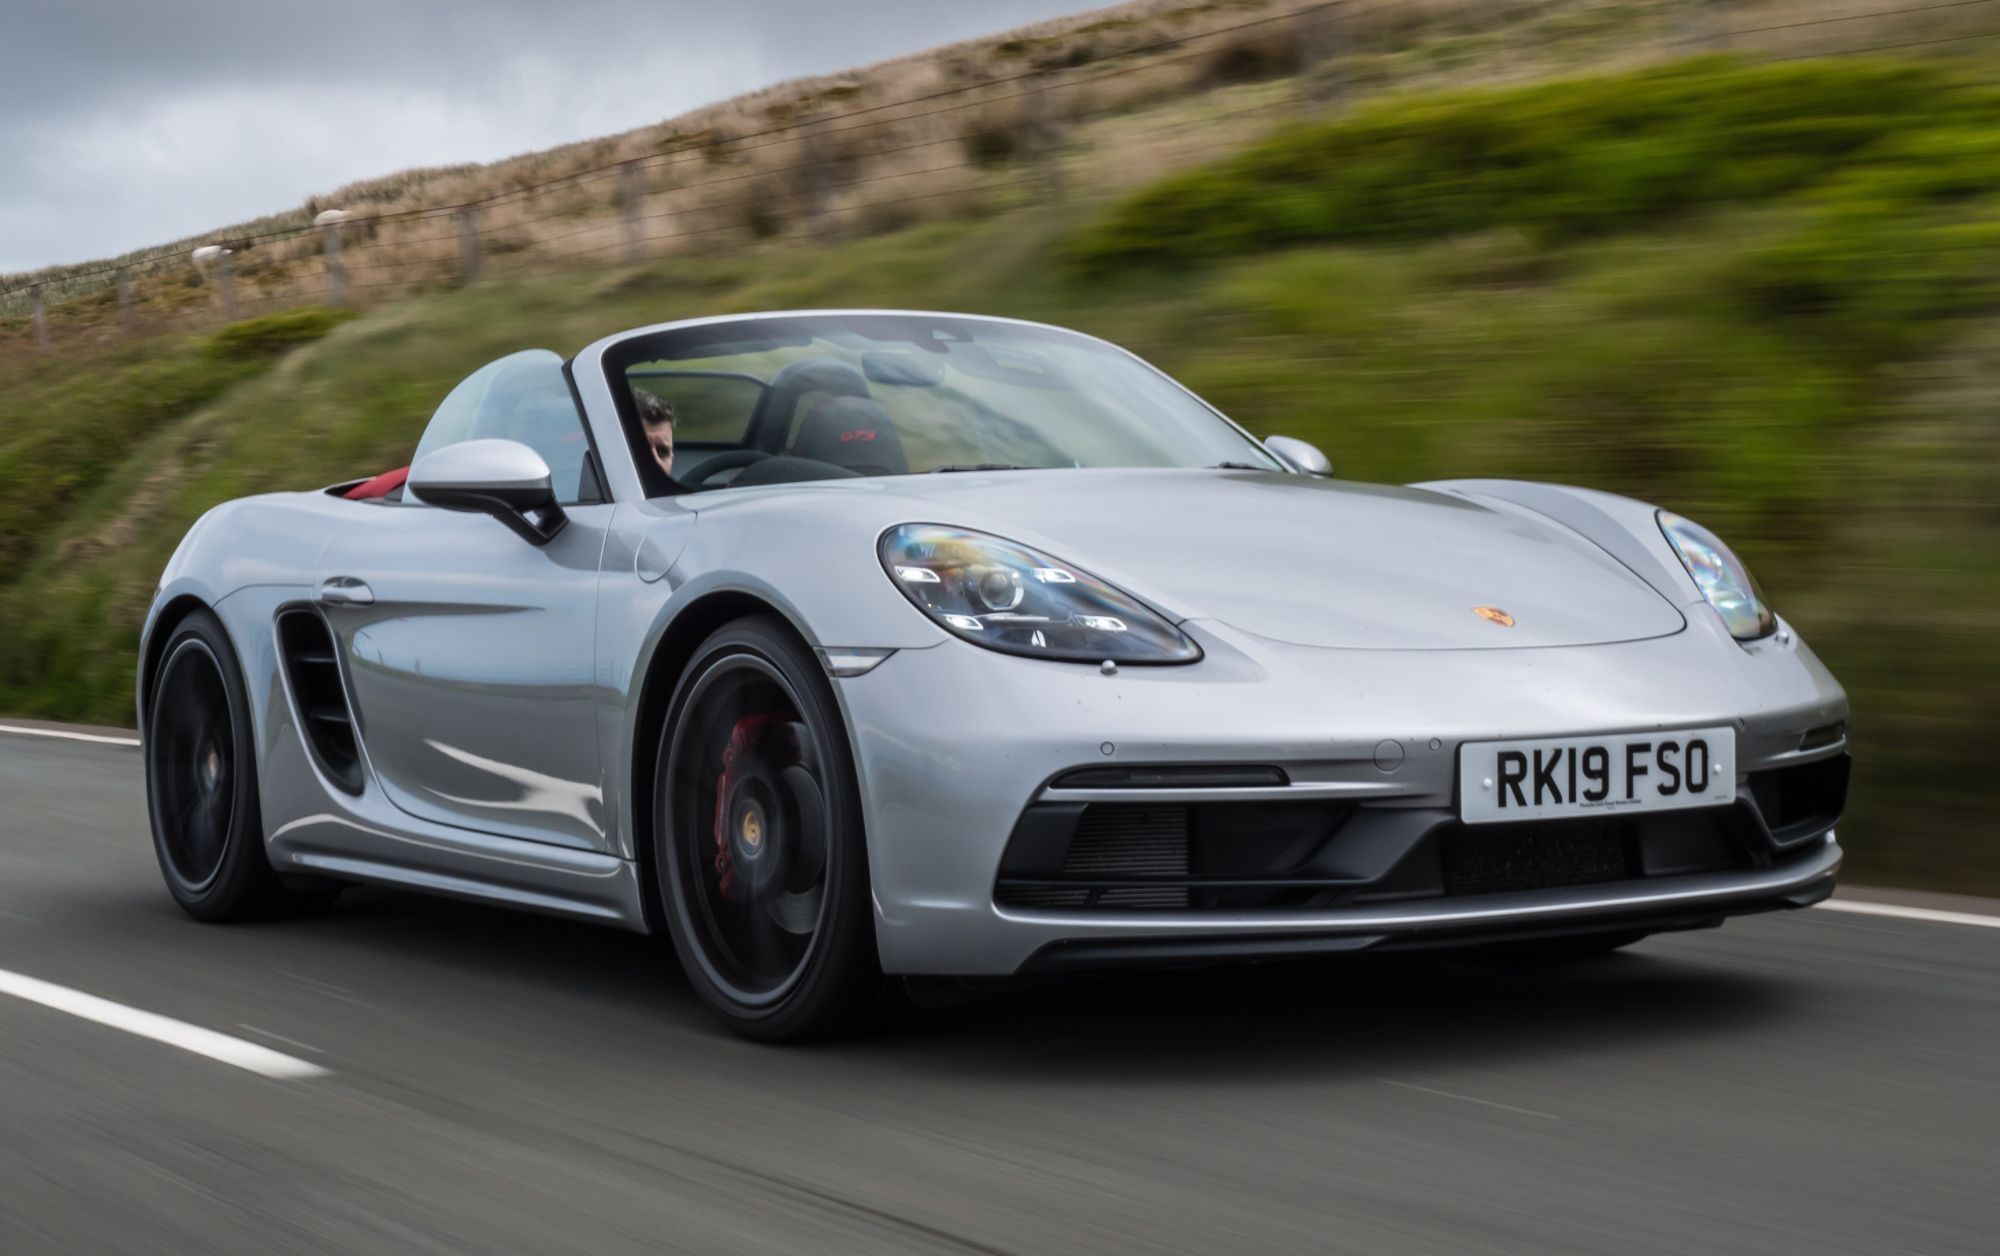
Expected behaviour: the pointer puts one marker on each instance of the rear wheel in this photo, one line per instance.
(761, 861)
(201, 783)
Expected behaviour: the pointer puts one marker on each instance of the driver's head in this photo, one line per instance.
(657, 420)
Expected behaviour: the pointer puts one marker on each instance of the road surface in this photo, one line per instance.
(484, 1082)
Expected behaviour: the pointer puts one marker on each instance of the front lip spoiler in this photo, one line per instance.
(1676, 902)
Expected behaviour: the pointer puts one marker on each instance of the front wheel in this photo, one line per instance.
(201, 783)
(762, 866)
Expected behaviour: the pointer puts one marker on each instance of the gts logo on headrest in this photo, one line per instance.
(864, 435)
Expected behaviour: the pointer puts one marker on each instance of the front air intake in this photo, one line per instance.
(325, 718)
(1149, 856)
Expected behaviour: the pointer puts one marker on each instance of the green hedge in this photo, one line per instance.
(1571, 158)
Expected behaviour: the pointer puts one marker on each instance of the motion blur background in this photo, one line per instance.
(1741, 259)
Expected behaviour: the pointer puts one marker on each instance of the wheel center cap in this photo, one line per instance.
(211, 765)
(750, 832)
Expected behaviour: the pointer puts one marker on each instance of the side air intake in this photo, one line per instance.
(314, 675)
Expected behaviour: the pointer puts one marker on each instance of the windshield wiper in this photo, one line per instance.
(1236, 466)
(981, 466)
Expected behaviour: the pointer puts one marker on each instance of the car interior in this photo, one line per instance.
(814, 397)
(795, 399)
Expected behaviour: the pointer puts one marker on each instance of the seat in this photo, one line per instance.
(855, 433)
(381, 486)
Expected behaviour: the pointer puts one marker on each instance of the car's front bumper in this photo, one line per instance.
(1653, 905)
(953, 743)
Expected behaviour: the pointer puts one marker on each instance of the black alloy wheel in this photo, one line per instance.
(192, 761)
(201, 783)
(760, 858)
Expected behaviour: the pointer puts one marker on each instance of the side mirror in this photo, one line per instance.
(502, 478)
(1299, 456)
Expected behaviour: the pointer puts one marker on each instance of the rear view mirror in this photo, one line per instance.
(502, 478)
(908, 369)
(1304, 458)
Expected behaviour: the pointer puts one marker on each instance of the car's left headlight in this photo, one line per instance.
(1007, 597)
(1721, 577)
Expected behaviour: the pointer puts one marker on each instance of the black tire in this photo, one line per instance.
(1567, 948)
(769, 909)
(201, 784)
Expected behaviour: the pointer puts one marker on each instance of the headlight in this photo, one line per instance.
(1008, 597)
(1721, 577)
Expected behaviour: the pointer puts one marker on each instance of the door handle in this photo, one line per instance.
(345, 591)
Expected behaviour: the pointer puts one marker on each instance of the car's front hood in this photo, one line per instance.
(1313, 562)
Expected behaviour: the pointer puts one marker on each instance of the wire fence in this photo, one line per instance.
(1025, 135)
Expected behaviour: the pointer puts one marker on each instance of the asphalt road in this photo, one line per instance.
(1816, 1082)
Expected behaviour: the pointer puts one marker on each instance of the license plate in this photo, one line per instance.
(1545, 778)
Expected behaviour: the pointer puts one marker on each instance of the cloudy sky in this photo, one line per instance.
(128, 123)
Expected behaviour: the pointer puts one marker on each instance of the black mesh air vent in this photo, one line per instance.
(1118, 842)
(1499, 859)
(314, 674)
(1121, 841)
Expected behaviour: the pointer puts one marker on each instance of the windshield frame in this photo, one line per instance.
(599, 372)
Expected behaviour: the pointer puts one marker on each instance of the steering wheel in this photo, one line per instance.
(728, 460)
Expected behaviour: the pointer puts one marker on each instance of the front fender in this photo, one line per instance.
(273, 540)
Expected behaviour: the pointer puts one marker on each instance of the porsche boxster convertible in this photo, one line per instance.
(864, 650)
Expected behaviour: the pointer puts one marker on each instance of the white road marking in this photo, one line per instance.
(1912, 913)
(244, 1055)
(1452, 1094)
(67, 735)
(290, 1042)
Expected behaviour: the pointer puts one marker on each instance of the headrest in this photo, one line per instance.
(852, 432)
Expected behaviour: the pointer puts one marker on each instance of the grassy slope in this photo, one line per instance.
(1858, 483)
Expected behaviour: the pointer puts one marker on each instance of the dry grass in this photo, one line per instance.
(1081, 105)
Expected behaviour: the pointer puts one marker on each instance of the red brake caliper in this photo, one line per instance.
(740, 739)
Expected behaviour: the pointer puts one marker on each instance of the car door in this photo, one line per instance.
(469, 651)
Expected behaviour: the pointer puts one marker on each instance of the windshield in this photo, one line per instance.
(794, 398)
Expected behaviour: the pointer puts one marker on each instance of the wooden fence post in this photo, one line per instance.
(41, 319)
(468, 243)
(1317, 38)
(632, 199)
(815, 170)
(124, 282)
(225, 285)
(1705, 26)
(336, 269)
(1044, 135)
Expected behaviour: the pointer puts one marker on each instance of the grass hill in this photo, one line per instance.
(1805, 355)
(1763, 293)
(1104, 100)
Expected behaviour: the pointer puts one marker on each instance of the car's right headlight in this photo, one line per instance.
(1721, 577)
(1007, 597)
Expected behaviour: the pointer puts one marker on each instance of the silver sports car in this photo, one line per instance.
(860, 648)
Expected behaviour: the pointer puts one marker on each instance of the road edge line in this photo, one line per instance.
(163, 1029)
(66, 735)
(1893, 911)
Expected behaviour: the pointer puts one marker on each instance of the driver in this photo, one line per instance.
(658, 420)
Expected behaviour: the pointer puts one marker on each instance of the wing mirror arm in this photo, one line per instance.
(502, 478)
(536, 526)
